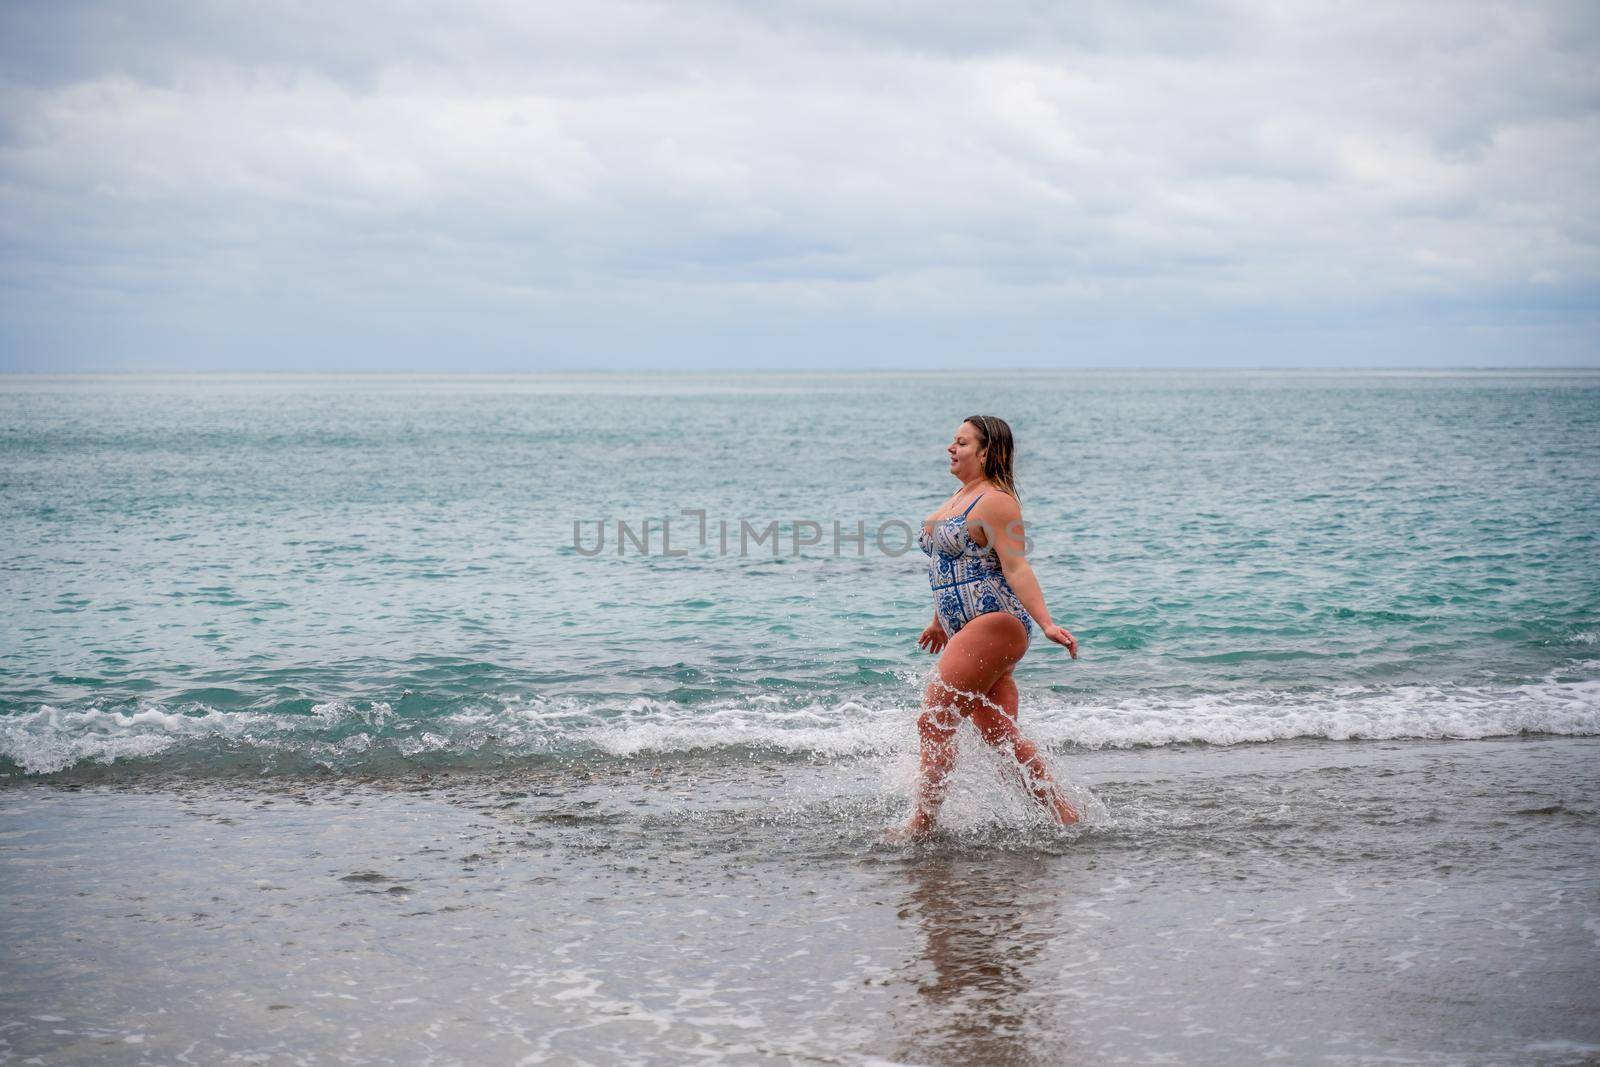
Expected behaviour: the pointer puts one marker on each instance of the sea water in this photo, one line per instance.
(557, 717)
(390, 574)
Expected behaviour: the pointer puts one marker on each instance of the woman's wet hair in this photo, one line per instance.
(994, 434)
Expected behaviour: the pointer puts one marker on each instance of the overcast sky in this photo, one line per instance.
(706, 184)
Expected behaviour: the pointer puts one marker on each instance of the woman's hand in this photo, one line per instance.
(933, 638)
(1059, 635)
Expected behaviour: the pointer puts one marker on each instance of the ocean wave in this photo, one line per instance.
(375, 737)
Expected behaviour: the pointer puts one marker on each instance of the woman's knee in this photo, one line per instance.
(956, 693)
(937, 723)
(1004, 693)
(997, 727)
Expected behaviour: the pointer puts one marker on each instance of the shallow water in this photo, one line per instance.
(1305, 902)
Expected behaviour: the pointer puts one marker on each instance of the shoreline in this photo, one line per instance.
(1426, 901)
(136, 775)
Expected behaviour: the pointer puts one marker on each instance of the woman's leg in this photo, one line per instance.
(974, 660)
(1004, 693)
(999, 728)
(937, 729)
(975, 681)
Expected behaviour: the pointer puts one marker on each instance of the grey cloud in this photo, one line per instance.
(213, 184)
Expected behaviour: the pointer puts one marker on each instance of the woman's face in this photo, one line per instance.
(966, 456)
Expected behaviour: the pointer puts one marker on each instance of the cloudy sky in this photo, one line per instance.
(708, 184)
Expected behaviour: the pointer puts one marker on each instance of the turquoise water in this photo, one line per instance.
(378, 574)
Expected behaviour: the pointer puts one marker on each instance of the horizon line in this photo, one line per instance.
(899, 371)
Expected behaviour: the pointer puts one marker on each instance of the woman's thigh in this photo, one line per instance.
(983, 652)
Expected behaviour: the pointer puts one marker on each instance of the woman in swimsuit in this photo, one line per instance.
(986, 604)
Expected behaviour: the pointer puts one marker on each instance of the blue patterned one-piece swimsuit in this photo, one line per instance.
(966, 578)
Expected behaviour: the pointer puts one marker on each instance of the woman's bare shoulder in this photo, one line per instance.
(999, 503)
(995, 510)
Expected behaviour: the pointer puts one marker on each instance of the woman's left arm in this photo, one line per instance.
(1003, 527)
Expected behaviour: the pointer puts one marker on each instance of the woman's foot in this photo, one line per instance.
(916, 828)
(1035, 777)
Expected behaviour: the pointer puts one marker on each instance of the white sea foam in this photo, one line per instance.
(1367, 713)
(344, 734)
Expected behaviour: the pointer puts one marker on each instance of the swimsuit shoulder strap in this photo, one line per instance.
(972, 505)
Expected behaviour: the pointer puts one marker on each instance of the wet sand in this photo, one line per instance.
(1300, 902)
